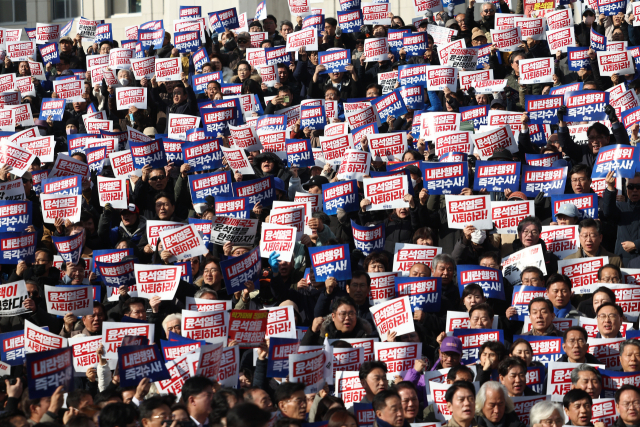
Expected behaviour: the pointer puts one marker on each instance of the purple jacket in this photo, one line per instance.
(418, 380)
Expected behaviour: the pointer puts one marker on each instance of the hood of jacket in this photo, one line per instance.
(258, 160)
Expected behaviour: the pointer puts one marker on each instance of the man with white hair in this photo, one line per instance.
(546, 414)
(444, 266)
(172, 323)
(494, 406)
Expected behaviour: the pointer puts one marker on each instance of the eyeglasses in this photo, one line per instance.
(627, 405)
(573, 342)
(589, 236)
(346, 314)
(298, 401)
(243, 41)
(552, 421)
(577, 180)
(611, 316)
(489, 11)
(532, 232)
(596, 138)
(633, 186)
(178, 93)
(162, 205)
(157, 178)
(210, 270)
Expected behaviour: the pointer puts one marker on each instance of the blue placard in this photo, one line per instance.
(350, 21)
(109, 256)
(203, 155)
(578, 58)
(368, 239)
(413, 96)
(394, 39)
(496, 176)
(261, 11)
(454, 156)
(617, 158)
(188, 12)
(415, 78)
(543, 109)
(95, 158)
(173, 150)
(551, 346)
(21, 247)
(64, 185)
(271, 123)
(536, 179)
(445, 178)
(210, 184)
(313, 21)
(236, 271)
(37, 179)
(613, 380)
(49, 53)
(390, 104)
(299, 153)
(206, 222)
(15, 215)
(312, 117)
(587, 204)
(152, 25)
(261, 190)
(541, 159)
(521, 297)
(537, 378)
(150, 39)
(13, 347)
(342, 194)
(217, 120)
(200, 57)
(53, 107)
(66, 30)
(364, 411)
(129, 340)
(484, 55)
(186, 41)
(278, 360)
(116, 274)
(277, 55)
(64, 244)
(472, 340)
(103, 32)
(148, 153)
(635, 52)
(228, 18)
(136, 362)
(571, 87)
(415, 44)
(236, 207)
(173, 348)
(537, 135)
(612, 8)
(479, 114)
(49, 370)
(187, 273)
(425, 293)
(201, 81)
(489, 278)
(331, 261)
(598, 41)
(335, 61)
(129, 44)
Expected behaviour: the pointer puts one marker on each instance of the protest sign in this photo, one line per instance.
(507, 215)
(307, 38)
(49, 370)
(617, 158)
(277, 238)
(69, 247)
(468, 210)
(611, 63)
(561, 240)
(490, 279)
(533, 28)
(168, 69)
(448, 178)
(62, 300)
(386, 192)
(208, 326)
(18, 247)
(496, 176)
(60, 206)
(143, 67)
(561, 39)
(66, 166)
(141, 361)
(116, 274)
(522, 295)
(425, 293)
(37, 339)
(127, 97)
(248, 327)
(114, 332)
(486, 142)
(587, 204)
(582, 271)
(513, 264)
(393, 316)
(407, 254)
(153, 280)
(462, 58)
(308, 369)
(340, 195)
(15, 216)
(543, 109)
(13, 296)
(390, 146)
(536, 179)
(331, 261)
(507, 40)
(382, 287)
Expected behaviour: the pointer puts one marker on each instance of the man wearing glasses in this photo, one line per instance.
(344, 323)
(529, 235)
(590, 243)
(291, 400)
(575, 346)
(628, 405)
(610, 317)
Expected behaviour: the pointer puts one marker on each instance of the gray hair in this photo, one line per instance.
(635, 343)
(481, 397)
(543, 410)
(575, 374)
(169, 318)
(444, 259)
(204, 290)
(493, 6)
(285, 22)
(129, 74)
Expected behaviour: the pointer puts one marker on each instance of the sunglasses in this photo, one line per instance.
(243, 41)
(157, 178)
(633, 186)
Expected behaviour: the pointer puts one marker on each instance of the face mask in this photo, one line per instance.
(39, 269)
(66, 279)
(124, 82)
(440, 23)
(414, 182)
(589, 20)
(72, 131)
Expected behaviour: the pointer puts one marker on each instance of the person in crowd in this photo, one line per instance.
(495, 407)
(587, 378)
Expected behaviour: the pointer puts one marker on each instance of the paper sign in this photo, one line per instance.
(393, 316)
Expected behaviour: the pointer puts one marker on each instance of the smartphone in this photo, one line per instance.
(285, 98)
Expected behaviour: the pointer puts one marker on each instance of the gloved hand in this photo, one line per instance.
(562, 111)
(611, 113)
(273, 261)
(338, 32)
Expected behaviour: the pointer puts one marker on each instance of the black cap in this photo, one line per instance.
(414, 170)
(501, 154)
(316, 181)
(72, 121)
